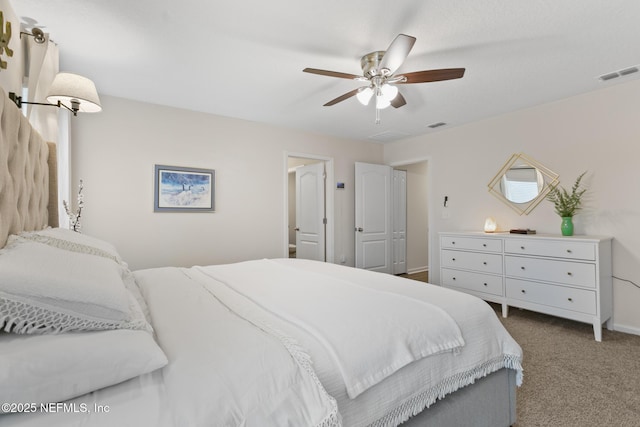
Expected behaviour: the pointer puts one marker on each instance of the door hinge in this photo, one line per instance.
(324, 221)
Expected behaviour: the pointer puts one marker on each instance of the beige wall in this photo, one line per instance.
(114, 152)
(598, 132)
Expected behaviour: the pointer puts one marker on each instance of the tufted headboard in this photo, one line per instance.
(28, 185)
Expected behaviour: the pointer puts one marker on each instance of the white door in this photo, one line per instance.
(399, 235)
(373, 217)
(310, 216)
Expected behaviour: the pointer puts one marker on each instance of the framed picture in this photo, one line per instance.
(178, 189)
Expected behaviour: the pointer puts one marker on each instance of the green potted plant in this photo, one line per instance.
(567, 203)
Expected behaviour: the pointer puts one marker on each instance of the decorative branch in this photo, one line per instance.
(74, 217)
(567, 204)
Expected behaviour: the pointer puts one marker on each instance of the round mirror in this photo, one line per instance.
(521, 183)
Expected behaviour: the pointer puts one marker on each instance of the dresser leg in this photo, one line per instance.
(597, 330)
(505, 309)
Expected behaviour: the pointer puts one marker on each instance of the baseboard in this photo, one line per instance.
(417, 270)
(626, 329)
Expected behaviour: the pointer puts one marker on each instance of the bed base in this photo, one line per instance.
(489, 402)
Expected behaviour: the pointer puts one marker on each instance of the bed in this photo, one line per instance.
(272, 342)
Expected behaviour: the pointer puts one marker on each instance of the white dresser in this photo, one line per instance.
(563, 276)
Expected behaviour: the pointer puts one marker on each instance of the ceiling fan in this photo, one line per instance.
(378, 70)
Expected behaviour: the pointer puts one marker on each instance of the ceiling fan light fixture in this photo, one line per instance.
(382, 102)
(364, 95)
(389, 92)
(378, 70)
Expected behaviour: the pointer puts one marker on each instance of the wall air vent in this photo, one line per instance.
(619, 73)
(437, 125)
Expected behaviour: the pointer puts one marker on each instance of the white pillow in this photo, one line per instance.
(46, 289)
(52, 368)
(63, 238)
(66, 239)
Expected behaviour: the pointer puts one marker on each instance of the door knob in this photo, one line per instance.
(297, 228)
(359, 229)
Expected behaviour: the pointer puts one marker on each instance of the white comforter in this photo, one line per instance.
(350, 320)
(215, 352)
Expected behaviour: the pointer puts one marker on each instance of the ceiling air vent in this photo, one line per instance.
(628, 71)
(437, 125)
(609, 76)
(388, 136)
(619, 73)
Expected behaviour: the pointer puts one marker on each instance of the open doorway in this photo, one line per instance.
(417, 219)
(309, 207)
(392, 217)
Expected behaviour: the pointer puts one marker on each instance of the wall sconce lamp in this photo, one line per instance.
(71, 91)
(37, 34)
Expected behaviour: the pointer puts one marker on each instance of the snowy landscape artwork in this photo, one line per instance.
(183, 189)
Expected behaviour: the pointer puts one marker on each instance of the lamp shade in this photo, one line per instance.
(382, 102)
(364, 95)
(70, 89)
(389, 92)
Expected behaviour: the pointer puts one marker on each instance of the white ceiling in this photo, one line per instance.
(244, 59)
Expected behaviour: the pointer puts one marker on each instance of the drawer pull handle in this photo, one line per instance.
(485, 284)
(454, 278)
(484, 263)
(569, 273)
(522, 268)
(568, 251)
(570, 299)
(484, 245)
(523, 291)
(522, 247)
(453, 259)
(453, 243)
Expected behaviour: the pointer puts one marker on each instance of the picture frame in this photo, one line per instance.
(183, 189)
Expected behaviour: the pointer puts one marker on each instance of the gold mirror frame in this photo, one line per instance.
(549, 178)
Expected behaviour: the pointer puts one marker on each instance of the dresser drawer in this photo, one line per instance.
(548, 270)
(483, 262)
(580, 300)
(554, 248)
(471, 243)
(478, 282)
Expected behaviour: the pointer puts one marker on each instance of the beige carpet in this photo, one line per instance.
(422, 276)
(572, 380)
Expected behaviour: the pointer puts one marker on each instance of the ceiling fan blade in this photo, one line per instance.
(433, 75)
(397, 52)
(331, 73)
(398, 101)
(341, 98)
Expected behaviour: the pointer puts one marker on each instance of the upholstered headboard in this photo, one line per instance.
(26, 184)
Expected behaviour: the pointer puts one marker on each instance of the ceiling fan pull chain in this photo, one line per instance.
(377, 116)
